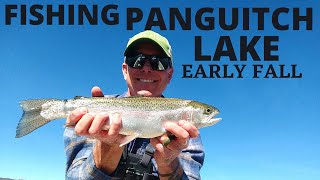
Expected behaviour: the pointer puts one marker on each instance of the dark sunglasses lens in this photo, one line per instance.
(166, 62)
(135, 62)
(159, 64)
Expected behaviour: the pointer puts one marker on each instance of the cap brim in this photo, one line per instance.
(141, 40)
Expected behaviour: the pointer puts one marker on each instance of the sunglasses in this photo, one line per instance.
(156, 62)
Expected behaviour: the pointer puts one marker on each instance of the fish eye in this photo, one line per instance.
(208, 110)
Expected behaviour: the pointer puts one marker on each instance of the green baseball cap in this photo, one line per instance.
(152, 36)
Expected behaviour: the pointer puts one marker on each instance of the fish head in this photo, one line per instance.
(202, 115)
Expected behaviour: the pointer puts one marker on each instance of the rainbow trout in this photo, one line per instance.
(141, 116)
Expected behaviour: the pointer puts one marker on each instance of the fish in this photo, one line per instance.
(142, 117)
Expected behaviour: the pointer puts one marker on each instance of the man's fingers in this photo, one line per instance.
(115, 125)
(83, 125)
(176, 130)
(158, 145)
(190, 128)
(76, 115)
(97, 92)
(98, 123)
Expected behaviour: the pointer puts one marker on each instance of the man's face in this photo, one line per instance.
(146, 78)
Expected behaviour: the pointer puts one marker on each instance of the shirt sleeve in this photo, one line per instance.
(80, 162)
(192, 159)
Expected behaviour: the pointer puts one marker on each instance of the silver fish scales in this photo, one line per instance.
(141, 116)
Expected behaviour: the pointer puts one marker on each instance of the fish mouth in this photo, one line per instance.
(210, 117)
(146, 80)
(214, 120)
(211, 120)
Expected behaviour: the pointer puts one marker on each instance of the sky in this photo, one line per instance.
(270, 127)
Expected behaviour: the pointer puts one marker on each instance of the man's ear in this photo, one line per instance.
(170, 73)
(125, 70)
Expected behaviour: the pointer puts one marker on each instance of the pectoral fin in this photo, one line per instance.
(128, 139)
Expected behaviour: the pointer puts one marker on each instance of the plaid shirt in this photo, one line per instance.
(81, 165)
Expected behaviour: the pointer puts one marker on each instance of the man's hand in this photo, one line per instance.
(106, 152)
(166, 155)
(90, 125)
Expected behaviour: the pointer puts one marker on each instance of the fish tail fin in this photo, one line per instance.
(35, 114)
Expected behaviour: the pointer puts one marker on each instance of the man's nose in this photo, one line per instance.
(147, 66)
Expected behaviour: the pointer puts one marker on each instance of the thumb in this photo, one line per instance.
(96, 92)
(144, 93)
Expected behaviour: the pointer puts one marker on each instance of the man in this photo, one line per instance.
(93, 153)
